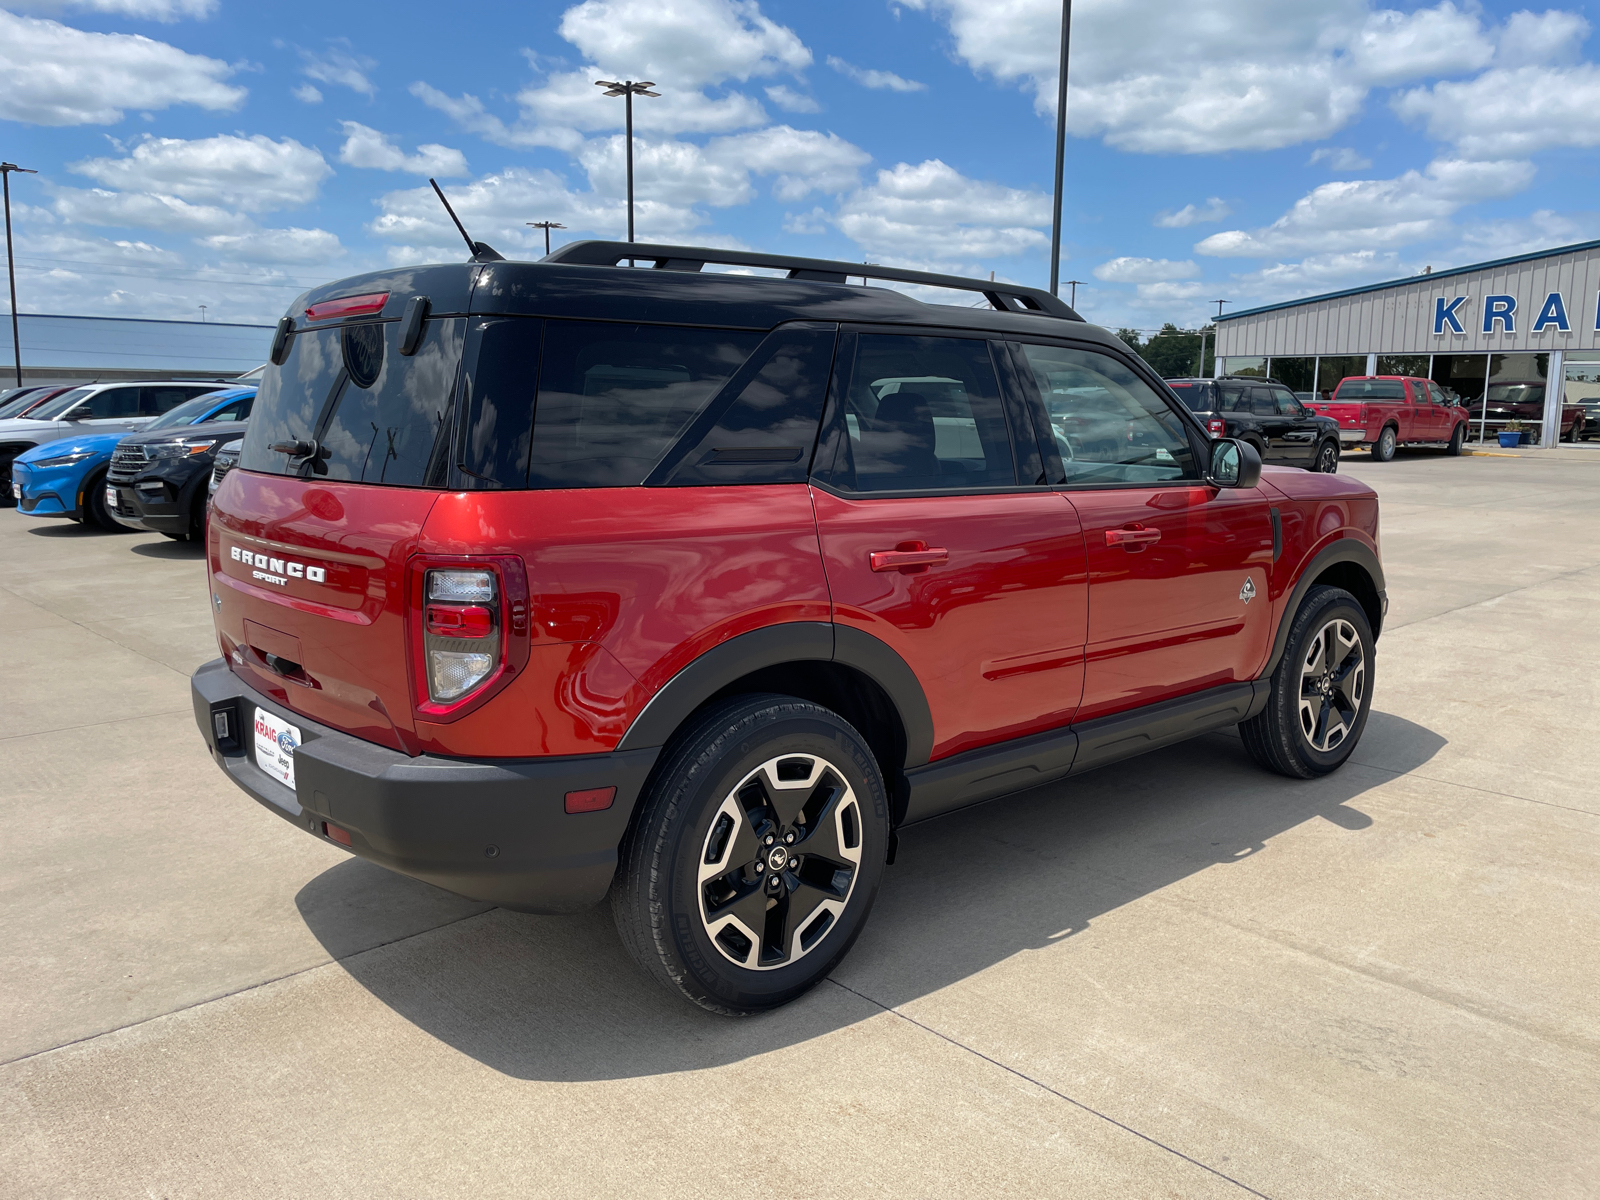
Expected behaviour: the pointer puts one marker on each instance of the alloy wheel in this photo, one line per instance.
(779, 862)
(1327, 458)
(1333, 684)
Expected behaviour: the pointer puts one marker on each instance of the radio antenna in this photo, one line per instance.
(481, 251)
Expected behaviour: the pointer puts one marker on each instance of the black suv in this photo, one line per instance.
(160, 479)
(1265, 414)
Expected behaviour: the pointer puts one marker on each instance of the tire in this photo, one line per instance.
(727, 788)
(1457, 440)
(1383, 449)
(1327, 460)
(1321, 690)
(95, 511)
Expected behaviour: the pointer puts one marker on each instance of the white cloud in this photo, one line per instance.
(690, 43)
(1340, 158)
(1190, 214)
(1512, 111)
(932, 212)
(291, 245)
(1154, 77)
(255, 174)
(1318, 273)
(1375, 213)
(1145, 270)
(340, 67)
(1539, 230)
(786, 98)
(141, 210)
(52, 74)
(1166, 292)
(878, 80)
(1532, 39)
(366, 147)
(307, 94)
(165, 11)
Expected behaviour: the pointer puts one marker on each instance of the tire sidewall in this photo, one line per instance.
(691, 791)
(1330, 604)
(1457, 439)
(1384, 449)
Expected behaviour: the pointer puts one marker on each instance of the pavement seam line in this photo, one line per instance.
(176, 712)
(1471, 788)
(1094, 1112)
(1489, 599)
(93, 633)
(261, 983)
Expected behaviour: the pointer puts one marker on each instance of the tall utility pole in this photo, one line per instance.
(628, 89)
(1061, 149)
(1073, 284)
(547, 226)
(6, 170)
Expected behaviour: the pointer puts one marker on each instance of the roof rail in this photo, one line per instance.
(1007, 297)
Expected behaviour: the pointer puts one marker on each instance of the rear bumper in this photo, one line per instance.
(493, 830)
(1352, 437)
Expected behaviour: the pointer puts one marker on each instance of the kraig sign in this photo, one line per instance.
(1501, 311)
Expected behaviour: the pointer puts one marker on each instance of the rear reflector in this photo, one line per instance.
(342, 836)
(462, 622)
(219, 722)
(593, 800)
(347, 306)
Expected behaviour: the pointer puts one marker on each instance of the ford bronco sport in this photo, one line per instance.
(556, 581)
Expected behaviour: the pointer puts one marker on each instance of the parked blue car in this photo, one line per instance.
(66, 478)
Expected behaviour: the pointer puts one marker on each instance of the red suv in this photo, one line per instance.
(550, 581)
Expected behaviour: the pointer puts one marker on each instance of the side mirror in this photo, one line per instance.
(1234, 464)
(78, 412)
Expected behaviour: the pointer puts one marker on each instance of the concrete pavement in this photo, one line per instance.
(1174, 977)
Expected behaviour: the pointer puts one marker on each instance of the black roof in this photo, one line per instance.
(583, 280)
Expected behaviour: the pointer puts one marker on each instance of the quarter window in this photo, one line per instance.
(1109, 425)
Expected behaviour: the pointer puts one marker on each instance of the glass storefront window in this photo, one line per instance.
(1296, 374)
(1331, 369)
(1245, 366)
(1462, 376)
(1581, 390)
(1414, 365)
(1515, 392)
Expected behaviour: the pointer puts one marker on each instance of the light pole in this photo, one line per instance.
(11, 273)
(1061, 148)
(202, 314)
(1073, 283)
(547, 226)
(628, 89)
(1219, 304)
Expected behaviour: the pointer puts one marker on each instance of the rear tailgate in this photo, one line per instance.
(1350, 415)
(308, 583)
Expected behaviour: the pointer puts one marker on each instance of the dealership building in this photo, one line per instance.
(1496, 334)
(72, 349)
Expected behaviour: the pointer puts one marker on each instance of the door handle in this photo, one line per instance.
(1132, 540)
(909, 557)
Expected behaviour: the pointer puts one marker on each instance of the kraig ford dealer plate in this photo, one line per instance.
(276, 740)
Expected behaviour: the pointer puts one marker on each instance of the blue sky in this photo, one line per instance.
(211, 152)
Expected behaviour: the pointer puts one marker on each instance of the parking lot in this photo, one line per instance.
(1175, 977)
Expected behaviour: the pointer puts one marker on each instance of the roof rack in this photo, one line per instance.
(1007, 297)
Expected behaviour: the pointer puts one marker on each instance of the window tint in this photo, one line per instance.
(394, 431)
(1235, 398)
(1262, 403)
(762, 427)
(186, 413)
(1288, 406)
(613, 398)
(1371, 389)
(113, 402)
(1198, 396)
(1110, 426)
(238, 410)
(921, 413)
(498, 400)
(154, 401)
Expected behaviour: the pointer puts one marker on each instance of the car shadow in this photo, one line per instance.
(62, 527)
(557, 998)
(168, 548)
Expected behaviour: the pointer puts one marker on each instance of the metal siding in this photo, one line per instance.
(121, 343)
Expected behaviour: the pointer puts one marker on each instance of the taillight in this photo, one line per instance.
(347, 306)
(469, 631)
(1215, 427)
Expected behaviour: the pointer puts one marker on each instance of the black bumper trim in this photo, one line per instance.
(494, 830)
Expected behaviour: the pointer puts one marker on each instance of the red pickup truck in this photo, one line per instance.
(1381, 411)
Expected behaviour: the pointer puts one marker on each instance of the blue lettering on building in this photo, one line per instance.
(1554, 313)
(1502, 309)
(1445, 314)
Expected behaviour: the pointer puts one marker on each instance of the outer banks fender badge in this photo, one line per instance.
(276, 571)
(1248, 592)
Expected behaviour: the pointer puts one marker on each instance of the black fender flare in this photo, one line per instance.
(791, 641)
(1345, 549)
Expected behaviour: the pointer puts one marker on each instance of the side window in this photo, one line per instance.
(497, 425)
(762, 428)
(153, 401)
(1262, 403)
(921, 413)
(613, 398)
(236, 410)
(1234, 398)
(1288, 406)
(114, 402)
(1109, 425)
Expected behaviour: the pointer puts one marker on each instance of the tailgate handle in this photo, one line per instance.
(909, 557)
(1133, 539)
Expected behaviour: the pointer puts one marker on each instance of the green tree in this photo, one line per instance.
(1175, 353)
(1131, 336)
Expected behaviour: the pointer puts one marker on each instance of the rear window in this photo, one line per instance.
(376, 415)
(1371, 389)
(613, 398)
(1200, 397)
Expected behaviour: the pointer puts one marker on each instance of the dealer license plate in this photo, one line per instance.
(111, 496)
(276, 740)
(16, 491)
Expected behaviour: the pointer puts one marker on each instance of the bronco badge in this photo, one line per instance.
(1248, 592)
